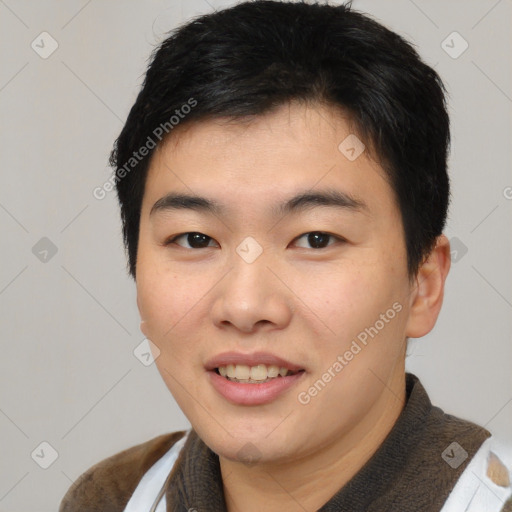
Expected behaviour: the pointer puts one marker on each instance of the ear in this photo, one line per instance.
(428, 291)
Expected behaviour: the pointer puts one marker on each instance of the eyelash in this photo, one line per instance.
(172, 240)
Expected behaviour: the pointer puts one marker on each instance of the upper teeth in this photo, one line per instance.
(258, 372)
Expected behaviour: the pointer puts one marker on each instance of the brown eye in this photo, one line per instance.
(195, 240)
(318, 239)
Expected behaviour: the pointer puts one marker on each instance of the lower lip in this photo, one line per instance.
(252, 394)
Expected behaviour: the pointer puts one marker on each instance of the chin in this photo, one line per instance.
(243, 446)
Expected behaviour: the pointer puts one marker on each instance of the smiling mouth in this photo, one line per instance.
(258, 374)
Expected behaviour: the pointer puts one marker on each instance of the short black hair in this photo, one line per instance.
(251, 58)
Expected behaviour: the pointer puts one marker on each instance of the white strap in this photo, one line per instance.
(149, 486)
(474, 490)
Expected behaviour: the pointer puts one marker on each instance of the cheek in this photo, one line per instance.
(166, 305)
(351, 303)
(343, 298)
(164, 301)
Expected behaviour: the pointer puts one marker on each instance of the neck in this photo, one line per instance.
(308, 483)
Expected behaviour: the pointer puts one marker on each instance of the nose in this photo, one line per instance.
(252, 297)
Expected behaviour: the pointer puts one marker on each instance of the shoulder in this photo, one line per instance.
(485, 484)
(108, 485)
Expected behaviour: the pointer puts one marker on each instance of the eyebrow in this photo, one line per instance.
(302, 201)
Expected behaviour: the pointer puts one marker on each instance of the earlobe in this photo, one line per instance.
(428, 292)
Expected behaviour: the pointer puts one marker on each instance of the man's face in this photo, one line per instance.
(323, 287)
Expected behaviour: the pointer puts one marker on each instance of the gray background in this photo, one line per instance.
(69, 323)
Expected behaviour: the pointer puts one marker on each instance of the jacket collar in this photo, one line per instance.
(408, 472)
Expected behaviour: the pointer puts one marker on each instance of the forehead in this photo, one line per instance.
(265, 162)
